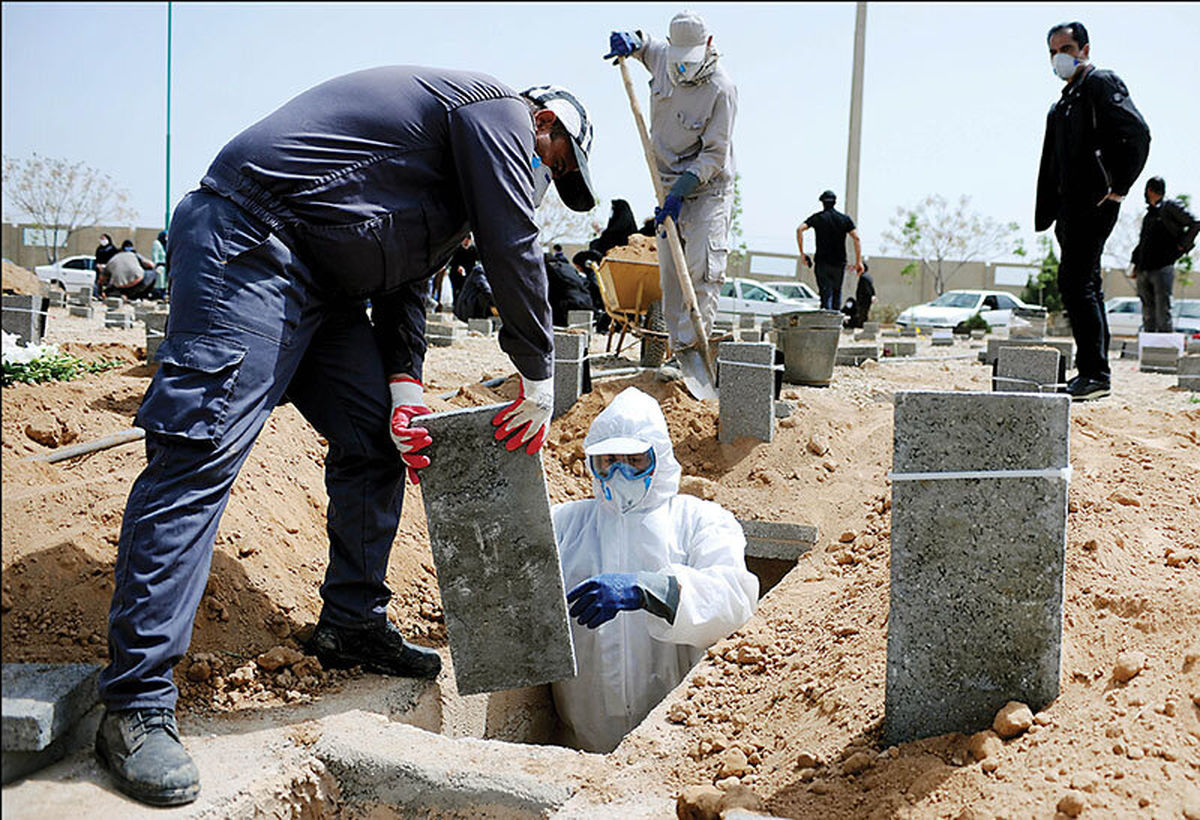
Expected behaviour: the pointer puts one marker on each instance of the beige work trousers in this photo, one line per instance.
(704, 232)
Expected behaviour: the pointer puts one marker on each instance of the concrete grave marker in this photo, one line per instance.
(481, 326)
(42, 703)
(747, 381)
(580, 319)
(1028, 370)
(570, 369)
(497, 561)
(25, 317)
(1066, 347)
(898, 348)
(1153, 359)
(1189, 373)
(979, 510)
(855, 355)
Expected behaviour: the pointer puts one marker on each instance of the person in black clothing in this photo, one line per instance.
(1168, 232)
(567, 290)
(621, 225)
(831, 227)
(473, 299)
(105, 251)
(583, 262)
(860, 305)
(464, 258)
(1095, 146)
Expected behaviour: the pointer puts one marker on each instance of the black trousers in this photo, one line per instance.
(1081, 236)
(829, 284)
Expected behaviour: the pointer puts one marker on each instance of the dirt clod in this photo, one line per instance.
(1129, 665)
(1012, 719)
(702, 802)
(278, 657)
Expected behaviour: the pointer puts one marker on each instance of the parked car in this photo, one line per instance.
(956, 306)
(1124, 315)
(71, 273)
(740, 296)
(1187, 316)
(796, 291)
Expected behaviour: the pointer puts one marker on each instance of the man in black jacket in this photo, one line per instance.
(1168, 232)
(1095, 146)
(357, 189)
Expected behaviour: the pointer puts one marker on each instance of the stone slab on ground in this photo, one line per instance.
(444, 334)
(976, 563)
(908, 331)
(120, 318)
(481, 326)
(1028, 370)
(381, 764)
(897, 348)
(1158, 359)
(1189, 373)
(1065, 347)
(83, 311)
(855, 355)
(497, 561)
(42, 701)
(778, 540)
(746, 371)
(79, 296)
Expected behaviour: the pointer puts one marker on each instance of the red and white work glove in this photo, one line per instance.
(408, 402)
(527, 419)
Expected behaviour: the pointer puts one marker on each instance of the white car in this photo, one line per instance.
(1187, 316)
(72, 273)
(1124, 315)
(796, 291)
(956, 306)
(746, 296)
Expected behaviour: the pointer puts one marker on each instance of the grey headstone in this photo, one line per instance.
(890, 334)
(1158, 359)
(899, 348)
(747, 381)
(865, 336)
(156, 320)
(114, 302)
(481, 326)
(121, 317)
(908, 331)
(58, 298)
(1193, 346)
(1066, 347)
(25, 317)
(570, 360)
(580, 319)
(1188, 365)
(443, 334)
(747, 320)
(1028, 370)
(496, 557)
(42, 701)
(779, 540)
(854, 355)
(83, 311)
(976, 563)
(783, 409)
(750, 335)
(943, 341)
(978, 334)
(79, 296)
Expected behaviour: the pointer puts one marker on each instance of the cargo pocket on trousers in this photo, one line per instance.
(716, 259)
(191, 394)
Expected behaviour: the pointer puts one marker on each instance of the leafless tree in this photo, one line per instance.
(1124, 237)
(62, 197)
(942, 237)
(557, 223)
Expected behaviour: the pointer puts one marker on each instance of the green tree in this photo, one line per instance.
(1043, 288)
(942, 237)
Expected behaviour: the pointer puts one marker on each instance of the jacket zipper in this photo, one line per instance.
(1107, 178)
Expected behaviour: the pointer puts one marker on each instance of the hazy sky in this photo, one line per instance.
(955, 95)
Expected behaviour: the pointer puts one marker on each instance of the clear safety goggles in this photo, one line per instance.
(632, 467)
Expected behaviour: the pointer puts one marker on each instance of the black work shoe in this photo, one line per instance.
(378, 648)
(141, 750)
(1086, 388)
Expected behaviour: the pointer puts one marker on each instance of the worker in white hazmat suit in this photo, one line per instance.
(653, 577)
(693, 103)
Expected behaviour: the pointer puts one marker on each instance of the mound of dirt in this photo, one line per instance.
(18, 280)
(640, 249)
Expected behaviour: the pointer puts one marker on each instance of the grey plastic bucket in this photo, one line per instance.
(809, 340)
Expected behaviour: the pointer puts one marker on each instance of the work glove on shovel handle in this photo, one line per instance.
(408, 402)
(527, 420)
(622, 44)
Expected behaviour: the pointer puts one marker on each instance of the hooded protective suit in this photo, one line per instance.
(627, 665)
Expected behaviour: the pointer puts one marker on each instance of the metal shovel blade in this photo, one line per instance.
(695, 374)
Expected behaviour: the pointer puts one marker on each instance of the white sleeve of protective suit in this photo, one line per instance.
(716, 139)
(652, 53)
(717, 594)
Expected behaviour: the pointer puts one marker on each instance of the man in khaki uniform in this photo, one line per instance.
(693, 102)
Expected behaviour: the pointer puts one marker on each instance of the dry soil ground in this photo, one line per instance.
(789, 706)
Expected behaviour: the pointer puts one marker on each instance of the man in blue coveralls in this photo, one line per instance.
(359, 188)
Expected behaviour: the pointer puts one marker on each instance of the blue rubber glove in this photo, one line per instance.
(622, 44)
(597, 600)
(670, 207)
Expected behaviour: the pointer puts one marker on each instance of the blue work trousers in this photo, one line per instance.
(248, 323)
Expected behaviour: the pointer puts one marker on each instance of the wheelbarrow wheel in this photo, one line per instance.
(654, 348)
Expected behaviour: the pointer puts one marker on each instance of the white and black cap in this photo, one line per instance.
(575, 189)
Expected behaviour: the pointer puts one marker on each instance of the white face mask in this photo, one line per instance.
(542, 177)
(626, 493)
(1065, 65)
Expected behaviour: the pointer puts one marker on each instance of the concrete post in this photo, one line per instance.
(496, 556)
(977, 560)
(570, 361)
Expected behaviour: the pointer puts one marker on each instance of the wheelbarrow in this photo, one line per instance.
(633, 300)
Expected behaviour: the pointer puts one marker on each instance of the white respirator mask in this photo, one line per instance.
(624, 486)
(1065, 65)
(542, 177)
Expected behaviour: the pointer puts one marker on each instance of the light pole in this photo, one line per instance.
(856, 95)
(167, 204)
